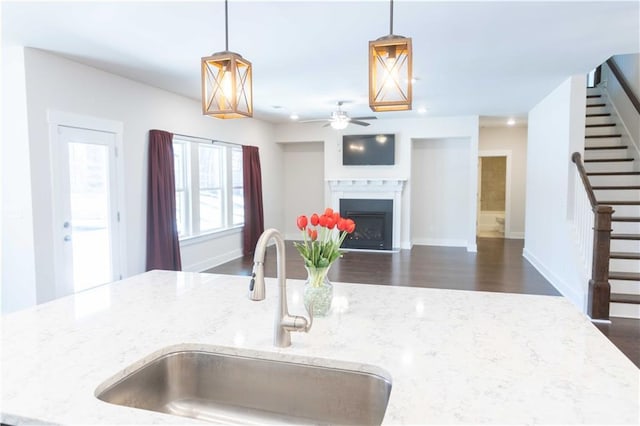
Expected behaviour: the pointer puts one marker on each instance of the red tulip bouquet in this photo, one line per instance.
(321, 244)
(322, 237)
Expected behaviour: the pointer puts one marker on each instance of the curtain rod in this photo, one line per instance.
(207, 139)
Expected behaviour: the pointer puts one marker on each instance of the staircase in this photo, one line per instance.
(614, 175)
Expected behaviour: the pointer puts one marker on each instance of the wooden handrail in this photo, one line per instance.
(623, 83)
(577, 159)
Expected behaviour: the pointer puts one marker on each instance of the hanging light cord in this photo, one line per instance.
(226, 25)
(391, 18)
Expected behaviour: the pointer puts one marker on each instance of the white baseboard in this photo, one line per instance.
(515, 235)
(444, 242)
(564, 289)
(293, 237)
(213, 262)
(488, 228)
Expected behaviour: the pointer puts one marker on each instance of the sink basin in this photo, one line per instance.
(230, 388)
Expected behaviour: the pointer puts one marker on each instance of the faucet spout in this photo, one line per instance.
(284, 323)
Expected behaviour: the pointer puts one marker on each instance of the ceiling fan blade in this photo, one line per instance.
(364, 118)
(315, 120)
(359, 123)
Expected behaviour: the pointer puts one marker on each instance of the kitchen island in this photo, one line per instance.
(455, 357)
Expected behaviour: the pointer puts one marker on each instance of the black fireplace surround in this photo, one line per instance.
(374, 223)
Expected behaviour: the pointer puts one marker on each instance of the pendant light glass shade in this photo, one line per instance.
(227, 86)
(390, 74)
(390, 71)
(227, 90)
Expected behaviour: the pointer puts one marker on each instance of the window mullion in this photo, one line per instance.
(227, 188)
(194, 185)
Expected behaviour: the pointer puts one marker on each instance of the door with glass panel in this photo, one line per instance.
(87, 217)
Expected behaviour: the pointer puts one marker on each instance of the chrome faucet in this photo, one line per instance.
(284, 323)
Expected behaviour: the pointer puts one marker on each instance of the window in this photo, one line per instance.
(209, 193)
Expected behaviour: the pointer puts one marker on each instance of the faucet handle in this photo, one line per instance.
(310, 321)
(300, 323)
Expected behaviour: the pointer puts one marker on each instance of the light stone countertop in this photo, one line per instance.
(455, 357)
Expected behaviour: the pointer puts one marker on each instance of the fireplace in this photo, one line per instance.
(373, 189)
(374, 223)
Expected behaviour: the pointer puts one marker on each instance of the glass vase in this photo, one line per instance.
(318, 291)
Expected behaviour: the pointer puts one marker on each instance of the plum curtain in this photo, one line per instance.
(253, 210)
(163, 248)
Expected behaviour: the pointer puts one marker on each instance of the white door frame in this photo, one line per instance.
(60, 118)
(507, 191)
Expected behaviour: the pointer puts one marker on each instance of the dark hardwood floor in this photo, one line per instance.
(497, 266)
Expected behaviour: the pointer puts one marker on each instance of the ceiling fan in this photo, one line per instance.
(339, 119)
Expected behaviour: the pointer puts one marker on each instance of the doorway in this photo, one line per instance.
(86, 208)
(492, 195)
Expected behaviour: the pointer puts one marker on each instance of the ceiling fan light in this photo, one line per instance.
(390, 74)
(339, 124)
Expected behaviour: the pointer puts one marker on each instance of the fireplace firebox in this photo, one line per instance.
(374, 223)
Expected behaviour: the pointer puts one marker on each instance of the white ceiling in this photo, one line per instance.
(484, 58)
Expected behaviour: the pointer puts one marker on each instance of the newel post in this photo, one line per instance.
(599, 288)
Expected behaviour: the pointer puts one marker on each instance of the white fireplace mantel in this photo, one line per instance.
(366, 185)
(372, 189)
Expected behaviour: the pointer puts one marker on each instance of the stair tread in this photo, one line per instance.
(617, 187)
(625, 219)
(625, 298)
(625, 236)
(602, 125)
(615, 135)
(619, 203)
(624, 255)
(603, 147)
(613, 173)
(602, 114)
(607, 160)
(596, 105)
(633, 276)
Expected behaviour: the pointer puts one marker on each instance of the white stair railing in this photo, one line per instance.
(594, 227)
(583, 220)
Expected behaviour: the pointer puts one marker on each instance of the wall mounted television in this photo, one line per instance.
(368, 150)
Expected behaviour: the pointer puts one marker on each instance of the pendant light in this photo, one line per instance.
(226, 82)
(390, 71)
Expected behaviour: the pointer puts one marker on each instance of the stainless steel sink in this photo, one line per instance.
(225, 388)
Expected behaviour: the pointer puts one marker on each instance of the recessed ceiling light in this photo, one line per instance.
(511, 122)
(294, 116)
(422, 110)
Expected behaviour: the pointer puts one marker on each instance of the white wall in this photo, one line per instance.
(513, 140)
(556, 130)
(405, 130)
(56, 83)
(440, 180)
(303, 183)
(17, 233)
(627, 116)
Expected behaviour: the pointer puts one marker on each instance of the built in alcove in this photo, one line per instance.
(374, 223)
